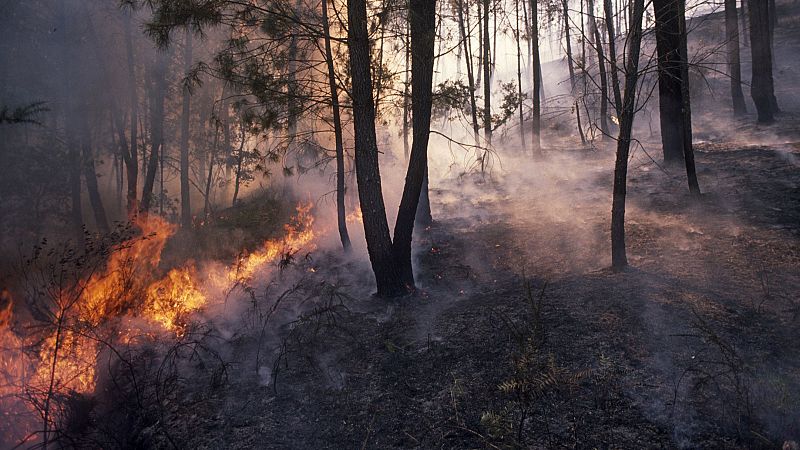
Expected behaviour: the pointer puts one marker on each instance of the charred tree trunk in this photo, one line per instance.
(762, 89)
(601, 63)
(568, 39)
(422, 16)
(186, 208)
(487, 75)
(407, 94)
(688, 148)
(239, 160)
(734, 65)
(536, 118)
(90, 175)
(467, 42)
(158, 92)
(520, 103)
(619, 258)
(668, 15)
(132, 160)
(337, 131)
(376, 228)
(612, 55)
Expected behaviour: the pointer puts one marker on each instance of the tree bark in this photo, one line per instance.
(734, 65)
(337, 131)
(132, 160)
(612, 55)
(619, 257)
(465, 38)
(520, 103)
(762, 87)
(186, 208)
(422, 16)
(376, 228)
(536, 119)
(158, 92)
(670, 79)
(487, 75)
(601, 63)
(688, 147)
(90, 175)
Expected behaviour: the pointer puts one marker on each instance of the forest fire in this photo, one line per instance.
(115, 305)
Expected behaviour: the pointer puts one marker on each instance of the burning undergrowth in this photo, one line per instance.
(112, 335)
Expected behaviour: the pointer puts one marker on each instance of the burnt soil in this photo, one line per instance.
(695, 345)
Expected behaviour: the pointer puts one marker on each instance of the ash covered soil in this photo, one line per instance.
(522, 338)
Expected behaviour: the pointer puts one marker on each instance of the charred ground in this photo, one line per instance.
(520, 322)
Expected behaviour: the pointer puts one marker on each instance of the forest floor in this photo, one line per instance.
(521, 336)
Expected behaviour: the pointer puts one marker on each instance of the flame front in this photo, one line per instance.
(125, 289)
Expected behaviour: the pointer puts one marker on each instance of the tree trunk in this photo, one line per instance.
(688, 148)
(670, 79)
(239, 159)
(568, 39)
(376, 228)
(465, 38)
(734, 66)
(536, 119)
(407, 94)
(90, 175)
(158, 92)
(487, 83)
(337, 131)
(132, 161)
(422, 16)
(520, 103)
(186, 208)
(619, 258)
(762, 88)
(601, 63)
(612, 55)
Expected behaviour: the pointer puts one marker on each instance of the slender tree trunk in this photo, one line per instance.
(568, 39)
(158, 93)
(601, 63)
(292, 113)
(688, 147)
(619, 258)
(239, 160)
(520, 103)
(186, 208)
(407, 94)
(337, 131)
(132, 161)
(734, 66)
(470, 73)
(422, 16)
(479, 3)
(90, 175)
(210, 174)
(612, 54)
(487, 75)
(227, 151)
(536, 119)
(762, 88)
(376, 228)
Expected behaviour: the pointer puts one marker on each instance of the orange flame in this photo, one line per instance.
(125, 288)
